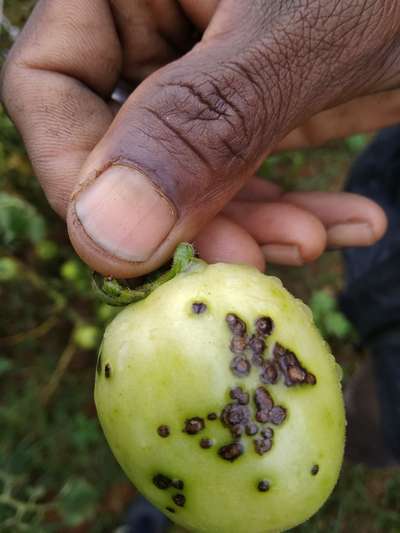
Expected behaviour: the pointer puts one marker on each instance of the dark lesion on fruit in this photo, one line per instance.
(206, 443)
(240, 366)
(170, 509)
(231, 452)
(179, 500)
(314, 470)
(263, 485)
(107, 370)
(212, 416)
(163, 431)
(177, 484)
(199, 307)
(162, 482)
(194, 425)
(289, 365)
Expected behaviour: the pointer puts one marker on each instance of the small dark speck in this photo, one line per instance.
(163, 431)
(170, 509)
(179, 499)
(231, 452)
(263, 486)
(206, 443)
(198, 307)
(162, 482)
(177, 484)
(107, 370)
(194, 425)
(212, 416)
(314, 470)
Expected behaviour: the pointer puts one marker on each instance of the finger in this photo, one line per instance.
(361, 115)
(287, 234)
(224, 241)
(350, 219)
(54, 85)
(259, 190)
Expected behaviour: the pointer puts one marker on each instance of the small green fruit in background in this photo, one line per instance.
(86, 336)
(222, 403)
(8, 269)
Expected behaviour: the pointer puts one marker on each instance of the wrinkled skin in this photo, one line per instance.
(161, 363)
(263, 76)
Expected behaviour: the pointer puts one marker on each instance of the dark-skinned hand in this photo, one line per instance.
(213, 88)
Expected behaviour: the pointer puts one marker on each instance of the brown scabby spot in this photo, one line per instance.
(231, 452)
(264, 325)
(291, 368)
(263, 486)
(262, 416)
(198, 307)
(163, 431)
(236, 325)
(251, 429)
(179, 499)
(314, 470)
(269, 373)
(256, 345)
(162, 482)
(212, 416)
(240, 366)
(170, 509)
(238, 344)
(277, 415)
(206, 443)
(235, 415)
(262, 446)
(193, 425)
(267, 433)
(262, 399)
(238, 394)
(177, 484)
(107, 370)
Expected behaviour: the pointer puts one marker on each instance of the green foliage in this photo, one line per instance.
(20, 223)
(77, 501)
(330, 321)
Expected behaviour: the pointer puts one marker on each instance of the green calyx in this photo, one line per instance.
(118, 293)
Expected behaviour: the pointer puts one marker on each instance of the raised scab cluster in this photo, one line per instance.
(249, 412)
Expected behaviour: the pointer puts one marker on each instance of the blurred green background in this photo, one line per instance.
(56, 472)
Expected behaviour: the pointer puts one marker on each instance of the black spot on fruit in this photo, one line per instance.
(235, 417)
(264, 326)
(240, 366)
(269, 373)
(177, 484)
(107, 370)
(262, 446)
(277, 415)
(163, 431)
(231, 452)
(238, 344)
(212, 416)
(179, 499)
(263, 486)
(193, 425)
(198, 307)
(314, 470)
(293, 372)
(251, 429)
(236, 325)
(262, 399)
(267, 433)
(256, 345)
(240, 395)
(170, 509)
(206, 443)
(162, 482)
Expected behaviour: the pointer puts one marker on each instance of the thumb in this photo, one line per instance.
(178, 150)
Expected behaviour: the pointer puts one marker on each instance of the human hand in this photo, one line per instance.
(135, 181)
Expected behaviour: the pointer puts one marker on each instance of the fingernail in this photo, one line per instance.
(283, 254)
(350, 234)
(124, 214)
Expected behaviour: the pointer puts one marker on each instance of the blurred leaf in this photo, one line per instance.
(77, 502)
(356, 143)
(19, 222)
(336, 324)
(322, 303)
(5, 365)
(8, 269)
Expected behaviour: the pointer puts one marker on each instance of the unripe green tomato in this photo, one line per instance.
(71, 270)
(8, 269)
(86, 336)
(222, 403)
